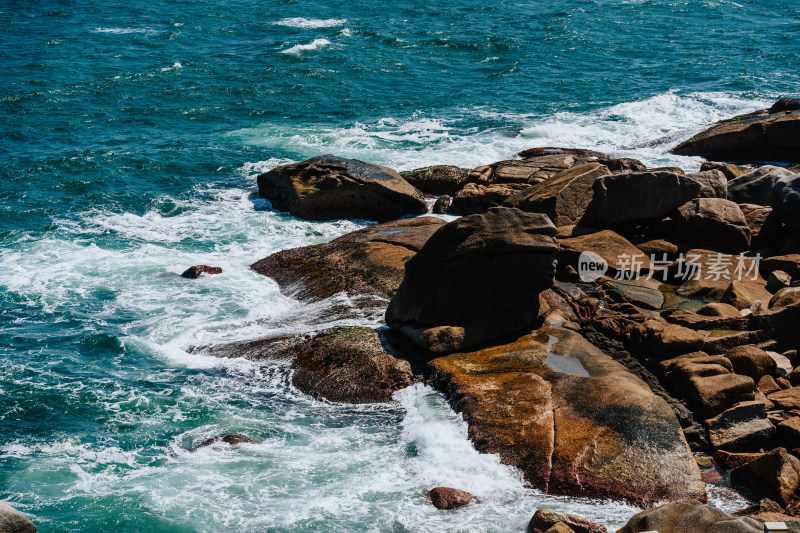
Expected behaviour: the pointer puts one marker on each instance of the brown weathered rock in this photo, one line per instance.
(751, 361)
(759, 136)
(642, 196)
(794, 377)
(477, 198)
(778, 280)
(730, 170)
(789, 430)
(441, 205)
(194, 272)
(686, 516)
(742, 427)
(665, 340)
(767, 385)
(544, 519)
(775, 475)
(711, 395)
(12, 521)
(576, 422)
(719, 310)
(731, 460)
(447, 498)
(231, 439)
(368, 261)
(560, 527)
(439, 179)
(329, 187)
(764, 224)
(786, 263)
(786, 399)
(785, 297)
(713, 223)
(619, 254)
(350, 365)
(478, 278)
(713, 274)
(564, 197)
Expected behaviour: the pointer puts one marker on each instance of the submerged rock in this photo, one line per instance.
(232, 439)
(685, 516)
(574, 421)
(195, 271)
(366, 262)
(759, 136)
(476, 279)
(12, 521)
(447, 498)
(329, 187)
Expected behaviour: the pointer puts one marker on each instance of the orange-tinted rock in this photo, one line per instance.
(368, 261)
(575, 421)
(447, 498)
(194, 272)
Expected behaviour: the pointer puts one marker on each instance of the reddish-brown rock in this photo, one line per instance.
(447, 498)
(544, 519)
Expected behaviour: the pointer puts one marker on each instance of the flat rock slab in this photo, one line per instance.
(575, 421)
(759, 136)
(368, 261)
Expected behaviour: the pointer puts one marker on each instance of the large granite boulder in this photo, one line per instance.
(574, 420)
(12, 521)
(438, 179)
(369, 261)
(713, 223)
(774, 475)
(476, 279)
(756, 187)
(751, 361)
(350, 365)
(690, 516)
(786, 201)
(618, 253)
(643, 196)
(329, 187)
(759, 136)
(564, 197)
(448, 498)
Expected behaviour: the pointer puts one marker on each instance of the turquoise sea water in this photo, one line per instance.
(130, 135)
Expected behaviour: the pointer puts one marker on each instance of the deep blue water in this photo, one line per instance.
(130, 135)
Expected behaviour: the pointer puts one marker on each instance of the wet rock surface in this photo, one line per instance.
(369, 261)
(329, 187)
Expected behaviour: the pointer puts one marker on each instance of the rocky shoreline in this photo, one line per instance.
(612, 330)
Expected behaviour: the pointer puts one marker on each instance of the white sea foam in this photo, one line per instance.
(644, 130)
(300, 48)
(124, 31)
(300, 22)
(176, 65)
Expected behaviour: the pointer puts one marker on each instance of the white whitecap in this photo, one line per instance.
(300, 48)
(300, 22)
(123, 31)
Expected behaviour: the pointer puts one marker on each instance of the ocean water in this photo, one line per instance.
(130, 137)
